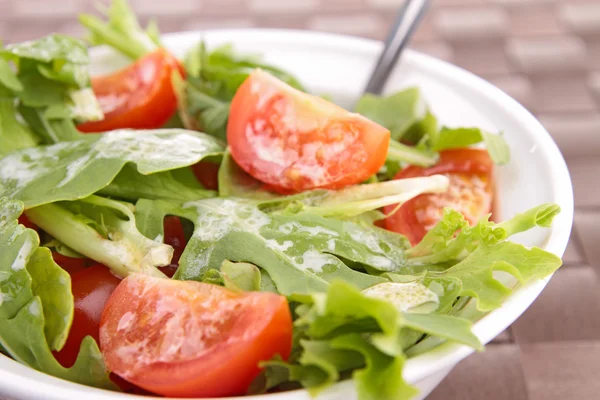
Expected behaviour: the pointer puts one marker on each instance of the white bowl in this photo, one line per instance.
(339, 66)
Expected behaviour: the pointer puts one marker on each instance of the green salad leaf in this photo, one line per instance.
(77, 169)
(345, 329)
(52, 85)
(300, 253)
(236, 230)
(36, 305)
(404, 113)
(464, 259)
(121, 31)
(105, 231)
(463, 137)
(407, 116)
(177, 184)
(14, 135)
(8, 78)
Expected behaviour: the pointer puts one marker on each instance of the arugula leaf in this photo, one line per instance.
(122, 31)
(235, 182)
(51, 48)
(36, 307)
(13, 134)
(50, 129)
(241, 276)
(53, 85)
(77, 169)
(404, 113)
(8, 78)
(464, 137)
(400, 153)
(178, 185)
(105, 231)
(298, 253)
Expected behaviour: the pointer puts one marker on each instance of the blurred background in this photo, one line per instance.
(544, 53)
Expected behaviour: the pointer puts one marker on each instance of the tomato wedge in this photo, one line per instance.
(140, 96)
(471, 192)
(293, 141)
(91, 289)
(191, 339)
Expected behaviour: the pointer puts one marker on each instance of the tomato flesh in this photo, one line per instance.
(471, 192)
(91, 289)
(140, 96)
(293, 141)
(190, 339)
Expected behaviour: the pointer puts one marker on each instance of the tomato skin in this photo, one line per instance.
(91, 289)
(70, 264)
(23, 220)
(140, 96)
(207, 174)
(293, 141)
(191, 339)
(175, 237)
(471, 192)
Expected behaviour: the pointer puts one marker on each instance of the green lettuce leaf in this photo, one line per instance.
(14, 135)
(53, 85)
(464, 259)
(105, 231)
(345, 330)
(77, 169)
(464, 137)
(36, 307)
(404, 113)
(178, 185)
(299, 253)
(348, 203)
(8, 78)
(122, 31)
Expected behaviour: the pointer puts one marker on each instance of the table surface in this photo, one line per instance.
(546, 54)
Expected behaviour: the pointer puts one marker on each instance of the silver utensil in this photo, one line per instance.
(402, 30)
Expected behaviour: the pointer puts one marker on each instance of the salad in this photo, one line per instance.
(205, 227)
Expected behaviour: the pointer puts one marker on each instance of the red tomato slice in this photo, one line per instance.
(293, 141)
(471, 192)
(191, 339)
(91, 289)
(140, 96)
(175, 237)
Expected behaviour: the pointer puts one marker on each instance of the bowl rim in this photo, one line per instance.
(486, 328)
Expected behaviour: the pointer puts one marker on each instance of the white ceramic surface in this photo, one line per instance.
(339, 66)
